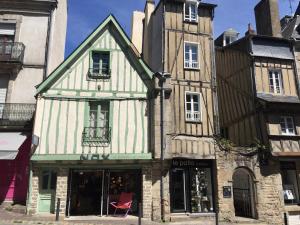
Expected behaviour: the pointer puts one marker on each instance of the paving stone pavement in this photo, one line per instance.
(11, 218)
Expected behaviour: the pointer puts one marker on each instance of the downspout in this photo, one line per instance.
(47, 52)
(162, 144)
(296, 67)
(215, 112)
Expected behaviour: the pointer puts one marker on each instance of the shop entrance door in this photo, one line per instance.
(86, 193)
(47, 192)
(179, 203)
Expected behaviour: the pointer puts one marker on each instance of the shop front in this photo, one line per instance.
(91, 192)
(192, 187)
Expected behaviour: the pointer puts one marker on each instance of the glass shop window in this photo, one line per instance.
(192, 190)
(290, 182)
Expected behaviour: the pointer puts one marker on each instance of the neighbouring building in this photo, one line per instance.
(259, 105)
(178, 42)
(92, 128)
(31, 32)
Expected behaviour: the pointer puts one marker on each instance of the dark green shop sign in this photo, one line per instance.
(190, 163)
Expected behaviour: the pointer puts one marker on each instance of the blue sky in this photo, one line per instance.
(85, 15)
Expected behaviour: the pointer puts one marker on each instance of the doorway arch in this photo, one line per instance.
(244, 193)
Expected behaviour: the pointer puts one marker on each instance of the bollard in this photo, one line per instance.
(140, 214)
(57, 209)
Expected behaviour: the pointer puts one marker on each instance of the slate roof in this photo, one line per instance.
(272, 48)
(278, 98)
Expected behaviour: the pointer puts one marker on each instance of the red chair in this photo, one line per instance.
(125, 202)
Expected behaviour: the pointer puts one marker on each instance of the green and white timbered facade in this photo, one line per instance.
(92, 120)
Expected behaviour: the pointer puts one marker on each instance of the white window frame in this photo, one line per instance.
(189, 64)
(192, 113)
(188, 18)
(273, 79)
(286, 127)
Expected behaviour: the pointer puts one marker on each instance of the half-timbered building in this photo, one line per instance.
(178, 42)
(91, 133)
(258, 90)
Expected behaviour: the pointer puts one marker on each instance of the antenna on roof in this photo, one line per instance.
(291, 6)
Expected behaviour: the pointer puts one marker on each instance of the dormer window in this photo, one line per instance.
(191, 11)
(100, 65)
(275, 81)
(228, 39)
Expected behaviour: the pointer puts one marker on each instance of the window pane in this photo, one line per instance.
(45, 180)
(201, 190)
(188, 97)
(187, 10)
(105, 63)
(189, 106)
(96, 62)
(195, 98)
(53, 181)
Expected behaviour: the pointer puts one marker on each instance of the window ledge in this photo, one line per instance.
(191, 68)
(191, 22)
(193, 121)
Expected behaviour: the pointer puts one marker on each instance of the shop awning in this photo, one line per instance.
(10, 144)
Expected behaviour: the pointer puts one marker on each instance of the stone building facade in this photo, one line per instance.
(178, 43)
(259, 108)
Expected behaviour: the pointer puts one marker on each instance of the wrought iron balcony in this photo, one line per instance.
(96, 136)
(16, 114)
(97, 73)
(12, 52)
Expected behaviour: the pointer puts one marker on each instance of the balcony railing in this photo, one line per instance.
(97, 73)
(96, 136)
(12, 52)
(16, 114)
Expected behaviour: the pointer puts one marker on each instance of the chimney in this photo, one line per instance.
(250, 31)
(137, 30)
(267, 18)
(149, 9)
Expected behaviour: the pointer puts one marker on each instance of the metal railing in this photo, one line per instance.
(98, 73)
(16, 114)
(12, 51)
(96, 136)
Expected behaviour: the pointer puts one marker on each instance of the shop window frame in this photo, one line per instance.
(293, 166)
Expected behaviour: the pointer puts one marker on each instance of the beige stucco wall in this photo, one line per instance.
(137, 30)
(31, 30)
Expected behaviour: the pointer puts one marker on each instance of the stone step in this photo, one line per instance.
(16, 208)
(248, 221)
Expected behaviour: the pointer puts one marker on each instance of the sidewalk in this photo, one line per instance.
(11, 218)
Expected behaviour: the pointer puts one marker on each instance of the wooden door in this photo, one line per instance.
(47, 192)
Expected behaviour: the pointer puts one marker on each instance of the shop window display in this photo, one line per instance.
(191, 187)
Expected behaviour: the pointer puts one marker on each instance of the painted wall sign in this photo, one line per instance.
(190, 163)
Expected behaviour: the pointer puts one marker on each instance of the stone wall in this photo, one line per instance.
(62, 190)
(269, 204)
(156, 198)
(34, 193)
(147, 192)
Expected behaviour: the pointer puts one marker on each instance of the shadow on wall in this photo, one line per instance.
(14, 176)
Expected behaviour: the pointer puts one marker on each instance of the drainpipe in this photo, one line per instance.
(162, 77)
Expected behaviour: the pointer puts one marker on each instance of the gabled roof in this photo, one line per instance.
(146, 75)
